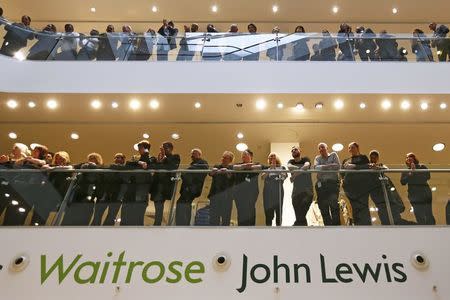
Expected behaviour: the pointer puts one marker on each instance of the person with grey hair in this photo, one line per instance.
(191, 188)
(327, 185)
(126, 43)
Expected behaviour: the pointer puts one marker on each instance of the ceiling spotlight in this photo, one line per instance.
(386, 104)
(12, 135)
(443, 105)
(424, 106)
(114, 105)
(374, 219)
(392, 189)
(31, 104)
(319, 105)
(405, 105)
(175, 136)
(135, 104)
(74, 136)
(335, 9)
(214, 8)
(261, 104)
(21, 210)
(52, 104)
(146, 135)
(14, 202)
(154, 9)
(395, 10)
(197, 105)
(362, 105)
(339, 104)
(93, 10)
(7, 195)
(154, 104)
(368, 51)
(96, 104)
(275, 8)
(299, 107)
(12, 104)
(241, 147)
(337, 147)
(240, 135)
(434, 189)
(439, 147)
(280, 105)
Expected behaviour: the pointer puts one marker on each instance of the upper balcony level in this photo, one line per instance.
(249, 62)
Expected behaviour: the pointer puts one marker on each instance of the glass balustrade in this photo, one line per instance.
(27, 44)
(266, 196)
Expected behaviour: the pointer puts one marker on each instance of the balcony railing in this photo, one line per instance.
(25, 44)
(123, 197)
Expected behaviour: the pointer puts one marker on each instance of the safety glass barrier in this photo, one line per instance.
(244, 194)
(24, 43)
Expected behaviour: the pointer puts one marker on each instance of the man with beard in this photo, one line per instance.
(302, 194)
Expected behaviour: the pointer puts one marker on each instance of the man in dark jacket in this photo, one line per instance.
(167, 40)
(17, 37)
(191, 188)
(108, 44)
(163, 185)
(440, 41)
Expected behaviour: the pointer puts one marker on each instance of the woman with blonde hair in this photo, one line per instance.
(273, 193)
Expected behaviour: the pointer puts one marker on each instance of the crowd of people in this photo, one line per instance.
(128, 45)
(94, 192)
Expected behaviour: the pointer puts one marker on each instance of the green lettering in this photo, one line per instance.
(91, 279)
(131, 268)
(194, 267)
(59, 264)
(148, 266)
(175, 272)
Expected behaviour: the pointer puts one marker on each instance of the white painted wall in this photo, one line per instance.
(223, 77)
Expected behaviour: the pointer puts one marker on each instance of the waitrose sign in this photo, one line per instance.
(118, 269)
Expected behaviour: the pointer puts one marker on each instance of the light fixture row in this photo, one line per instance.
(438, 147)
(76, 136)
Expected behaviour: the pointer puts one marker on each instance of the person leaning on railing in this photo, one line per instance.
(440, 40)
(356, 185)
(191, 188)
(43, 48)
(273, 192)
(421, 46)
(419, 192)
(108, 43)
(17, 36)
(300, 48)
(68, 45)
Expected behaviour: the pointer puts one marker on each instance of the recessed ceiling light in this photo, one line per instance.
(362, 105)
(339, 104)
(197, 105)
(154, 104)
(392, 189)
(335, 9)
(74, 136)
(12, 104)
(395, 10)
(424, 106)
(93, 10)
(135, 104)
(261, 104)
(175, 136)
(214, 8)
(386, 104)
(146, 135)
(240, 135)
(374, 219)
(114, 105)
(96, 104)
(14, 202)
(319, 105)
(434, 189)
(439, 147)
(22, 210)
(443, 105)
(275, 8)
(52, 104)
(12, 135)
(19, 56)
(241, 147)
(154, 9)
(280, 105)
(405, 105)
(31, 104)
(7, 195)
(299, 106)
(337, 147)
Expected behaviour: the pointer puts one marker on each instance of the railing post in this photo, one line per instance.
(176, 179)
(384, 180)
(57, 220)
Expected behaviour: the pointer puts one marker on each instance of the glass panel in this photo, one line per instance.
(22, 42)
